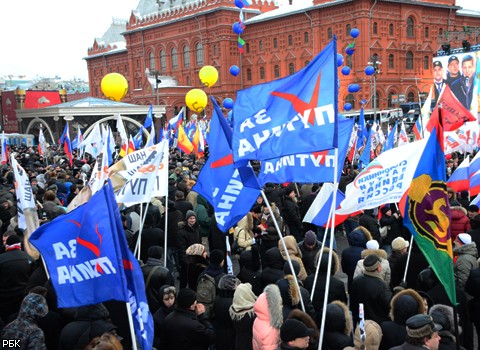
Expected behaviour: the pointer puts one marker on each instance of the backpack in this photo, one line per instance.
(207, 291)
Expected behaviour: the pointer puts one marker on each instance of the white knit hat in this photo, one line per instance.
(465, 238)
(372, 244)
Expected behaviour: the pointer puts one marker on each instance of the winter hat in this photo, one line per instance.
(373, 336)
(384, 209)
(371, 262)
(372, 244)
(293, 329)
(419, 326)
(288, 271)
(195, 249)
(443, 315)
(465, 238)
(310, 238)
(185, 298)
(216, 257)
(228, 282)
(289, 188)
(399, 243)
(189, 214)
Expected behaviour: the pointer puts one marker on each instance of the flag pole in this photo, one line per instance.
(285, 248)
(166, 213)
(408, 260)
(330, 252)
(130, 323)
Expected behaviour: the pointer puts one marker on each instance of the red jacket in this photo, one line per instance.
(460, 222)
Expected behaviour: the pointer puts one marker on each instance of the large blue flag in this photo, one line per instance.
(89, 262)
(220, 182)
(149, 119)
(295, 114)
(362, 132)
(391, 137)
(310, 167)
(365, 157)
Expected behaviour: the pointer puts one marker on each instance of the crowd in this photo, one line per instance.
(197, 304)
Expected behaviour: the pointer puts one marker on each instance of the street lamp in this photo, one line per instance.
(375, 63)
(154, 74)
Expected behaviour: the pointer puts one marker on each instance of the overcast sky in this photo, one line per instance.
(51, 37)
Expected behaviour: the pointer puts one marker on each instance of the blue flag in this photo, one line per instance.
(365, 157)
(295, 114)
(220, 182)
(309, 167)
(149, 119)
(391, 137)
(361, 130)
(86, 253)
(138, 139)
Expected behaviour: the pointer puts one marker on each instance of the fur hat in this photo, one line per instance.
(373, 336)
(310, 238)
(420, 326)
(371, 262)
(185, 298)
(216, 257)
(228, 282)
(189, 214)
(195, 249)
(443, 315)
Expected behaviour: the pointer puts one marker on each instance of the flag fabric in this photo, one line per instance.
(384, 180)
(274, 119)
(198, 142)
(4, 149)
(23, 191)
(426, 211)
(151, 138)
(460, 179)
(454, 114)
(417, 128)
(402, 136)
(309, 167)
(93, 142)
(353, 150)
(139, 188)
(67, 145)
(390, 144)
(220, 182)
(123, 136)
(361, 130)
(319, 212)
(452, 143)
(365, 157)
(100, 170)
(474, 175)
(426, 113)
(176, 121)
(41, 142)
(77, 141)
(138, 139)
(183, 141)
(86, 253)
(149, 119)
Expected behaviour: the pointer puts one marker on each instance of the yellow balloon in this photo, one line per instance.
(208, 75)
(114, 86)
(196, 100)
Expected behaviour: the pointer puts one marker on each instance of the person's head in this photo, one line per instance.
(400, 245)
(179, 195)
(422, 331)
(186, 299)
(371, 337)
(373, 244)
(437, 71)
(256, 211)
(167, 294)
(7, 234)
(468, 66)
(386, 210)
(462, 239)
(295, 334)
(155, 252)
(190, 217)
(453, 66)
(310, 240)
(107, 341)
(217, 257)
(472, 211)
(372, 263)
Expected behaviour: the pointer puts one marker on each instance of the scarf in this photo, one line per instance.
(16, 246)
(243, 301)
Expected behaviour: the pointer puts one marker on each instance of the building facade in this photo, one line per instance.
(175, 39)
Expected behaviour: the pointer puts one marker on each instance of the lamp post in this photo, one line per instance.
(154, 74)
(375, 63)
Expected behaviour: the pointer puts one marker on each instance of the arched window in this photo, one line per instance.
(329, 33)
(163, 60)
(291, 68)
(290, 40)
(188, 80)
(262, 73)
(411, 97)
(249, 74)
(349, 61)
(427, 32)
(350, 99)
(391, 61)
(409, 60)
(247, 48)
(390, 99)
(390, 29)
(410, 27)
(305, 37)
(348, 28)
(174, 58)
(275, 43)
(426, 62)
(260, 45)
(375, 28)
(151, 61)
(186, 56)
(276, 71)
(440, 31)
(215, 50)
(199, 54)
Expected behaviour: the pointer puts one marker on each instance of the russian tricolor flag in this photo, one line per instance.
(460, 179)
(176, 121)
(417, 128)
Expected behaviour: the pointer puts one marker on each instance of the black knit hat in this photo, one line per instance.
(371, 262)
(293, 329)
(216, 257)
(185, 298)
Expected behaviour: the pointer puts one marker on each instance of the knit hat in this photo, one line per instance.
(185, 298)
(419, 326)
(228, 282)
(296, 267)
(399, 243)
(195, 249)
(371, 262)
(216, 257)
(189, 214)
(310, 238)
(373, 336)
(372, 244)
(384, 209)
(293, 329)
(289, 188)
(465, 238)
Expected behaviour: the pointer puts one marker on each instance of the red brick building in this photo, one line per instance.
(175, 39)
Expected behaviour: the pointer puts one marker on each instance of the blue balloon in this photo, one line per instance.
(353, 88)
(234, 70)
(347, 106)
(354, 33)
(346, 70)
(239, 4)
(339, 59)
(369, 70)
(350, 51)
(228, 103)
(237, 28)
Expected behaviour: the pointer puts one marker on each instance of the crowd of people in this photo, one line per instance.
(266, 303)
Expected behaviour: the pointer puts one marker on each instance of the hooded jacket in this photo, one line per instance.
(385, 273)
(460, 222)
(266, 327)
(274, 267)
(466, 260)
(338, 327)
(357, 239)
(294, 253)
(244, 231)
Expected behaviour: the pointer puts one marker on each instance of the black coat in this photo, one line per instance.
(158, 319)
(174, 217)
(336, 291)
(244, 332)
(150, 236)
(159, 277)
(308, 256)
(187, 235)
(395, 228)
(292, 217)
(274, 267)
(183, 330)
(223, 324)
(417, 263)
(183, 206)
(370, 223)
(196, 265)
(250, 270)
(393, 334)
